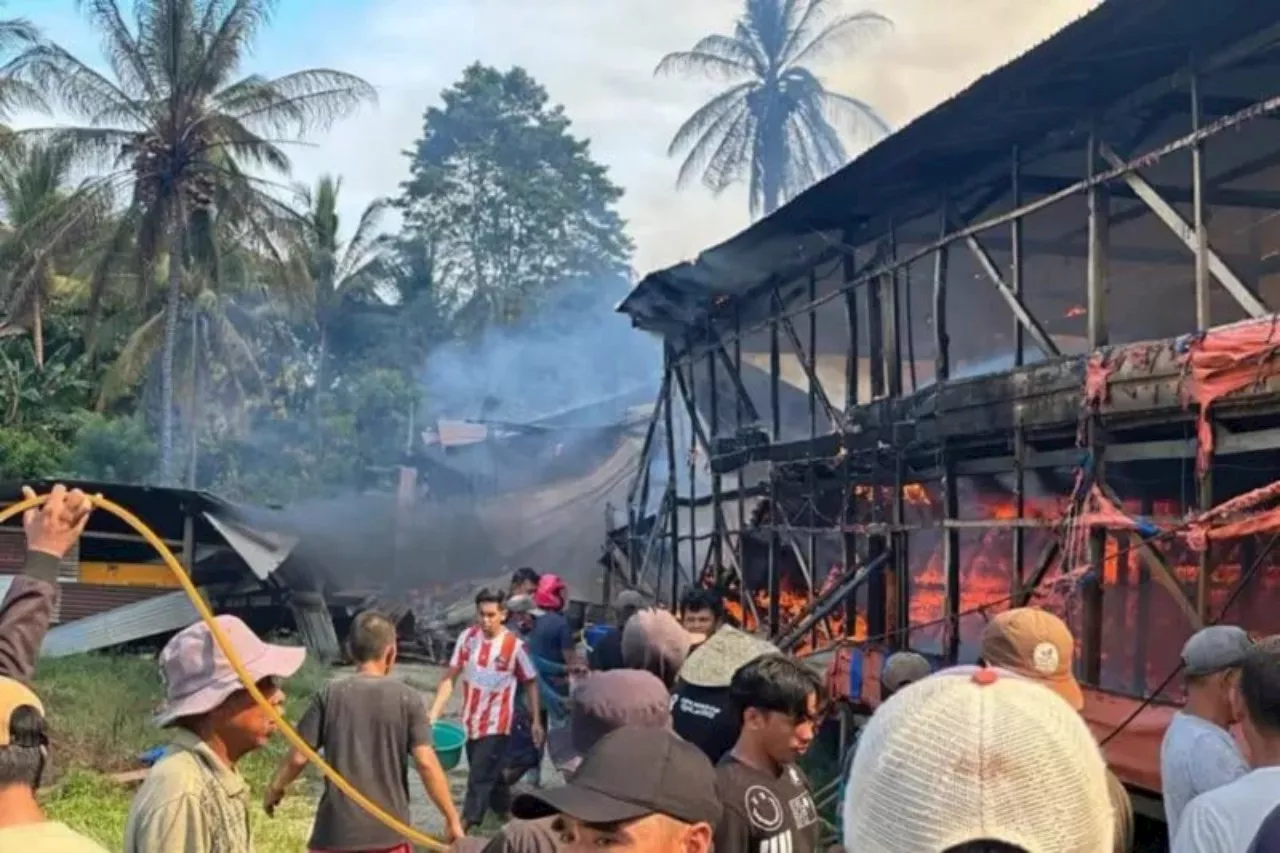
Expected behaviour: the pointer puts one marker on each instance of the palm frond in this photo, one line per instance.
(296, 103)
(696, 126)
(130, 365)
(845, 32)
(120, 46)
(52, 70)
(855, 113)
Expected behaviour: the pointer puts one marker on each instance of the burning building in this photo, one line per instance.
(1015, 353)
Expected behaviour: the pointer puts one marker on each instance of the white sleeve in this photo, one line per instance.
(1202, 830)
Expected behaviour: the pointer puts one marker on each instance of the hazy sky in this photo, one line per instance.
(597, 58)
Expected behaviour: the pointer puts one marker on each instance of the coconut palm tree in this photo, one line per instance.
(335, 273)
(776, 126)
(176, 129)
(48, 225)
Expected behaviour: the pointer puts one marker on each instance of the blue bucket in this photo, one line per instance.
(449, 738)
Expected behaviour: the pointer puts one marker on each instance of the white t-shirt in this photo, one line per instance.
(1226, 819)
(1196, 756)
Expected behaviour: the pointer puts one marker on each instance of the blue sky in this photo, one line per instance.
(596, 57)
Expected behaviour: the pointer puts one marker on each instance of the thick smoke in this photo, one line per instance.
(574, 352)
(571, 370)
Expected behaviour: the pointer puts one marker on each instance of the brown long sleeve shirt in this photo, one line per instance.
(25, 615)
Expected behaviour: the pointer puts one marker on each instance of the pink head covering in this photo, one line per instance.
(550, 594)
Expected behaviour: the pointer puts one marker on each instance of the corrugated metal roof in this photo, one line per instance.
(1089, 65)
(137, 620)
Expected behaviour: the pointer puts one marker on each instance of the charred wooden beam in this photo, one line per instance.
(1220, 197)
(1184, 232)
(941, 340)
(826, 604)
(669, 422)
(1097, 284)
(1038, 335)
(806, 355)
(717, 543)
(733, 368)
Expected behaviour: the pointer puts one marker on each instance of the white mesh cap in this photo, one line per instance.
(970, 754)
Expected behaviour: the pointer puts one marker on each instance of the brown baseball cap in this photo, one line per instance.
(14, 695)
(604, 702)
(632, 773)
(1035, 644)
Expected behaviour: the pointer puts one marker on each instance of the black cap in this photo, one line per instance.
(631, 773)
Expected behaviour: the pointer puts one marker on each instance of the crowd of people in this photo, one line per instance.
(672, 732)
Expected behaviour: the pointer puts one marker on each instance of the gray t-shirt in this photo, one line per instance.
(366, 725)
(1195, 756)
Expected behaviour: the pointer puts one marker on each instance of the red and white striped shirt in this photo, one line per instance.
(491, 669)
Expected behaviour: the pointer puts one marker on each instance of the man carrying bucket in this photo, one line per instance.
(493, 662)
(369, 725)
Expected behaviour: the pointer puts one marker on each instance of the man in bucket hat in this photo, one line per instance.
(194, 800)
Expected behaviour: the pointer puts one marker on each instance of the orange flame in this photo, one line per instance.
(1132, 604)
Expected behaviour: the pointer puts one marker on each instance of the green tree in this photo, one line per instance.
(510, 201)
(177, 129)
(777, 126)
(337, 274)
(48, 225)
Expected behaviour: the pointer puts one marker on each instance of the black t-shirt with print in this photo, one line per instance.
(764, 813)
(703, 717)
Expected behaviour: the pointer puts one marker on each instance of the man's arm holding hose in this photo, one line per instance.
(295, 762)
(27, 608)
(437, 787)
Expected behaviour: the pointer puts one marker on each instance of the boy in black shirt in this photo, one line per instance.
(768, 807)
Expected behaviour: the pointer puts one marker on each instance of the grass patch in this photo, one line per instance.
(100, 709)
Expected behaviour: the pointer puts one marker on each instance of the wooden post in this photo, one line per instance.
(1091, 605)
(892, 325)
(672, 484)
(848, 541)
(775, 431)
(1019, 439)
(1143, 614)
(1201, 248)
(811, 515)
(850, 270)
(1204, 485)
(717, 541)
(875, 337)
(743, 593)
(951, 556)
(899, 591)
(1099, 243)
(941, 341)
(692, 405)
